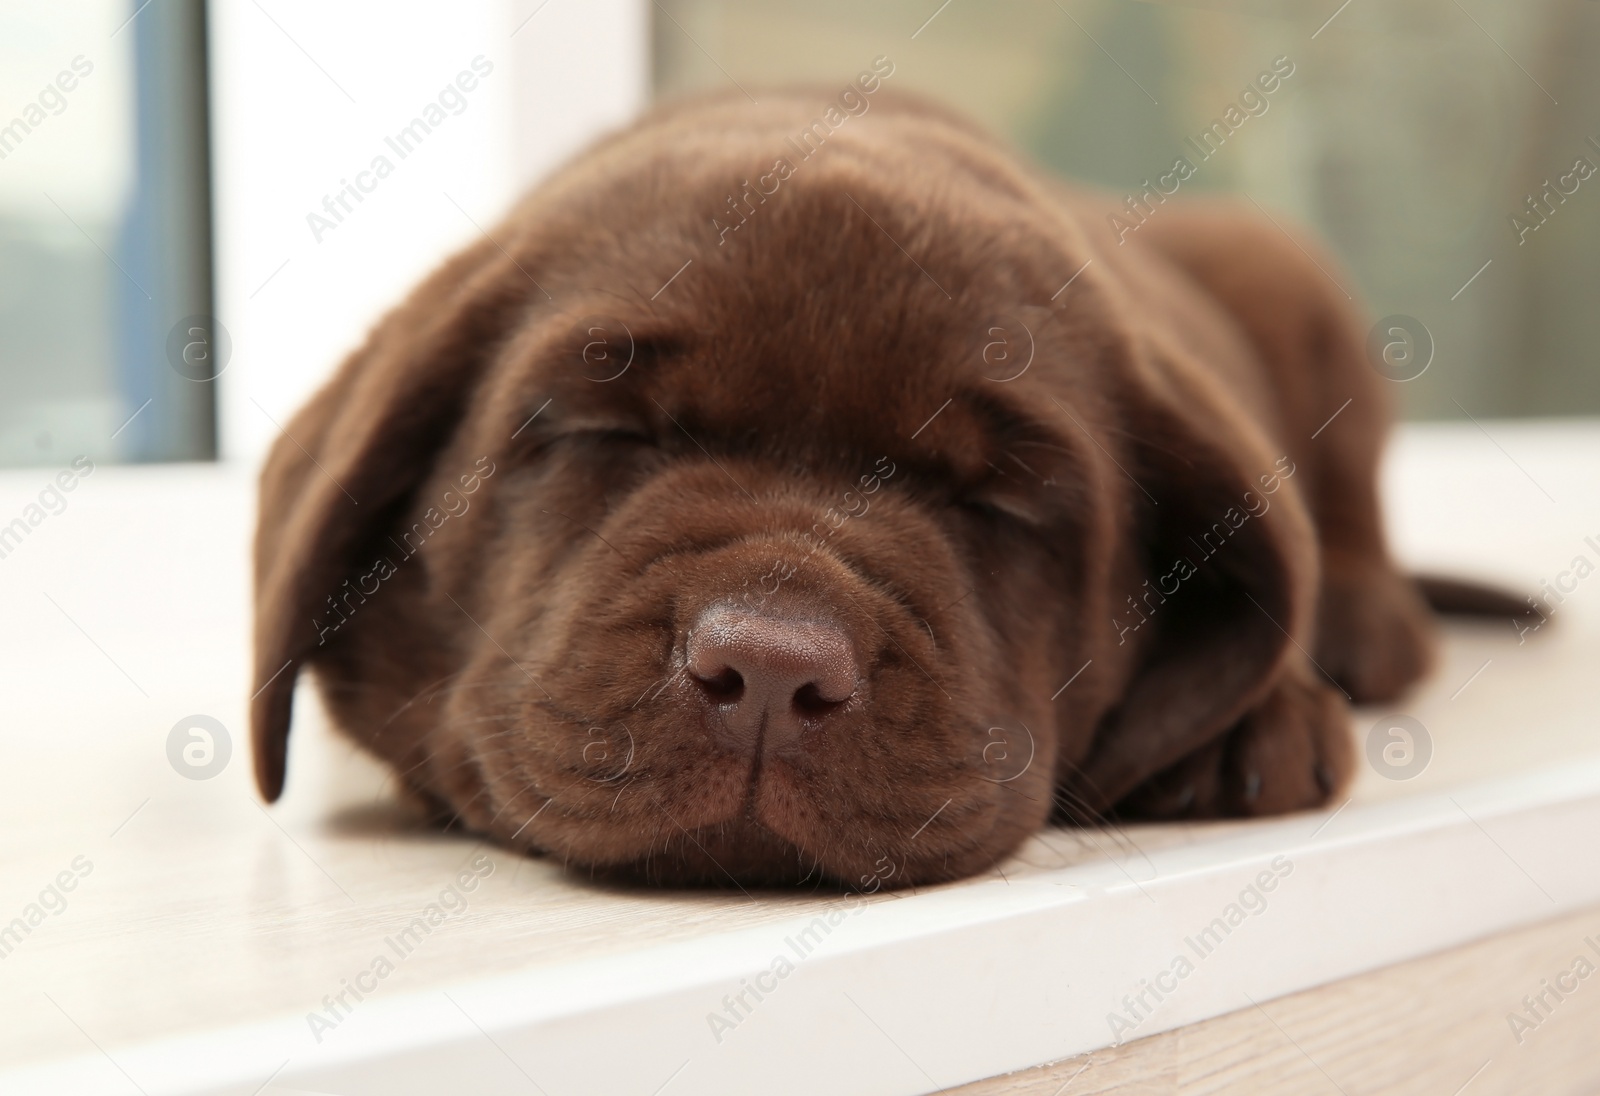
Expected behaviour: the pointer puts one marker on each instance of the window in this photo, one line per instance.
(106, 341)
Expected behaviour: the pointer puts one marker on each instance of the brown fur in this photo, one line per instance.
(521, 669)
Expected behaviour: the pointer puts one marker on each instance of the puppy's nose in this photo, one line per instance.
(770, 676)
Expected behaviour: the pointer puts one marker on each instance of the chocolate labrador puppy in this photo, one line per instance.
(811, 489)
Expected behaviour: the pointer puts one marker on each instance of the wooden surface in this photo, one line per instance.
(203, 912)
(1437, 1026)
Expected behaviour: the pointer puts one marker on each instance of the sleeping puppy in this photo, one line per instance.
(751, 508)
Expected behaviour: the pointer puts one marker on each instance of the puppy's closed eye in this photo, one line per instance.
(997, 509)
(599, 437)
(614, 436)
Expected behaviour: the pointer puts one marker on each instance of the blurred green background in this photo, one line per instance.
(1409, 134)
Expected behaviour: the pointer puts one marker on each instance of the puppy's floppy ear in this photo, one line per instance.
(1227, 574)
(350, 457)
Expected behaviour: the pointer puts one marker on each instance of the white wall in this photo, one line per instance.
(304, 95)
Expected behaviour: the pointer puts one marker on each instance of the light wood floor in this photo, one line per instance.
(1435, 1026)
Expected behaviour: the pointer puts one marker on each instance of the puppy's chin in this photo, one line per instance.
(744, 852)
(743, 828)
(738, 853)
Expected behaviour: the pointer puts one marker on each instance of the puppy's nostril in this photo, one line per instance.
(727, 684)
(809, 701)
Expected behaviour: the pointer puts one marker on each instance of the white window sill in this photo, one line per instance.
(205, 933)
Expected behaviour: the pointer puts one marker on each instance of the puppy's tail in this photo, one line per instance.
(1457, 597)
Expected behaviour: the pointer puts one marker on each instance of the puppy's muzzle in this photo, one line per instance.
(771, 679)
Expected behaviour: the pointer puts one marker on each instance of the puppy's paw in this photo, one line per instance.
(1293, 752)
(1375, 634)
(1191, 788)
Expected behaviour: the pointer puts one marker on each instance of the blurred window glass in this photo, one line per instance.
(104, 232)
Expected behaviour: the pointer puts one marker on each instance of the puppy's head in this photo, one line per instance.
(698, 554)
